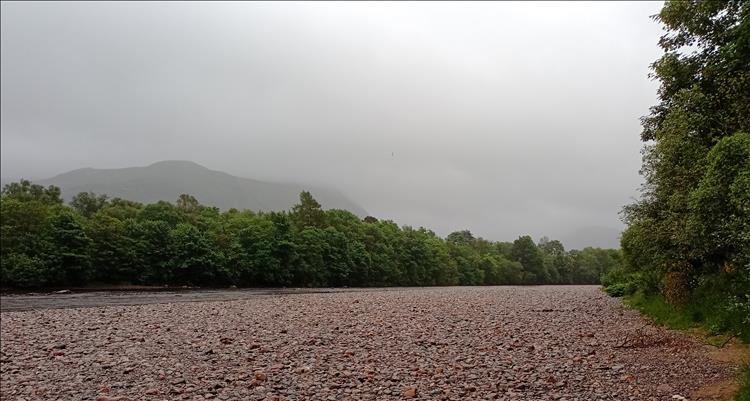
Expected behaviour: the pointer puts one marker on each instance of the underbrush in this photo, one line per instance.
(661, 312)
(743, 393)
(619, 282)
(718, 305)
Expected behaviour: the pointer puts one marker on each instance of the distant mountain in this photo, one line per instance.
(166, 180)
(597, 237)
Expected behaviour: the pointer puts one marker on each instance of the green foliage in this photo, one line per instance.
(708, 307)
(743, 393)
(308, 212)
(192, 257)
(525, 252)
(65, 248)
(688, 237)
(88, 203)
(101, 241)
(660, 311)
(616, 290)
(110, 252)
(25, 191)
(23, 271)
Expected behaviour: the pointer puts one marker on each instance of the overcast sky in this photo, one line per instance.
(503, 118)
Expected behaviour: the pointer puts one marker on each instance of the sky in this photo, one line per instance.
(503, 118)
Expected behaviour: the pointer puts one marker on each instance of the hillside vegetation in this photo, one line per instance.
(687, 245)
(96, 240)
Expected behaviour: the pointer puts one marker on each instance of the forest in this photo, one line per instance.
(687, 246)
(95, 240)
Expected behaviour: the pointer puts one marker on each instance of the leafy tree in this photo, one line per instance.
(556, 261)
(21, 226)
(685, 227)
(461, 238)
(23, 271)
(193, 259)
(88, 203)
(310, 269)
(111, 251)
(45, 243)
(151, 250)
(66, 248)
(720, 205)
(187, 204)
(308, 212)
(259, 255)
(122, 209)
(24, 190)
(525, 251)
(162, 211)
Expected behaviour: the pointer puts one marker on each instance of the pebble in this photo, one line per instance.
(455, 343)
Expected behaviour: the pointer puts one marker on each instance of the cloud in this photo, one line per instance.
(503, 118)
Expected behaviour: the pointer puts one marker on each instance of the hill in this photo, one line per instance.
(166, 180)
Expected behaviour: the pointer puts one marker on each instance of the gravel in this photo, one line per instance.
(457, 343)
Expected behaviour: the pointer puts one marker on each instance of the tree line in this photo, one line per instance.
(688, 236)
(95, 240)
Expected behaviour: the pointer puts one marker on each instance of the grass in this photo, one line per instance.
(743, 394)
(662, 313)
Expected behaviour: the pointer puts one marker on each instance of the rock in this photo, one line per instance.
(442, 344)
(664, 388)
(63, 292)
(410, 392)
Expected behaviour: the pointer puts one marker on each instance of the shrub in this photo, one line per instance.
(23, 271)
(616, 290)
(743, 393)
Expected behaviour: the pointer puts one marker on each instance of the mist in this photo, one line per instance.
(501, 118)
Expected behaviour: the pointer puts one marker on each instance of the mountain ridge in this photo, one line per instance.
(167, 179)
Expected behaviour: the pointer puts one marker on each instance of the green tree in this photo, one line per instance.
(150, 241)
(188, 204)
(22, 271)
(88, 203)
(24, 190)
(674, 230)
(66, 248)
(464, 237)
(111, 252)
(526, 252)
(193, 258)
(308, 212)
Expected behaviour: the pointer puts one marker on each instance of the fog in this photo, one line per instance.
(501, 118)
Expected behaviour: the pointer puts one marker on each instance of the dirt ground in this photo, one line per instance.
(457, 343)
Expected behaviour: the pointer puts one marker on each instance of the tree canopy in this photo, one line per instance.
(689, 233)
(97, 240)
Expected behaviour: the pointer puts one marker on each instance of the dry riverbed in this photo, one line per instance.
(459, 343)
